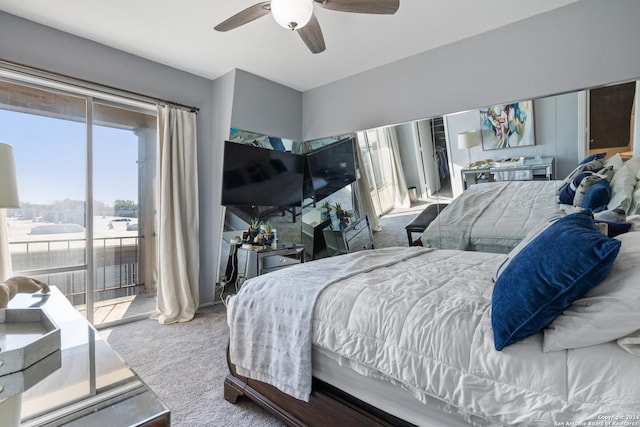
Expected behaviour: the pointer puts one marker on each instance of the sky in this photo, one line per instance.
(50, 159)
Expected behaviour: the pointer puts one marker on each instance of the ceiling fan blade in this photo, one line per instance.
(311, 35)
(382, 7)
(249, 14)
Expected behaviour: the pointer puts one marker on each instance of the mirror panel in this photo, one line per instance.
(293, 225)
(432, 160)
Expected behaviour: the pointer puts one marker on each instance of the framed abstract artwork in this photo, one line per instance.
(507, 125)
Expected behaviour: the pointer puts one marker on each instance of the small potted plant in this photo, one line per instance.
(268, 234)
(324, 211)
(343, 216)
(254, 229)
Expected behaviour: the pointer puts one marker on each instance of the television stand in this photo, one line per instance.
(294, 212)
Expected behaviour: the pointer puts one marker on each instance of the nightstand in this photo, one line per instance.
(262, 260)
(352, 238)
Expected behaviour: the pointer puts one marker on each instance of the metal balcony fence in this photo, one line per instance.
(63, 263)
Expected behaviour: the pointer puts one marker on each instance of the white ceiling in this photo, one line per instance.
(180, 33)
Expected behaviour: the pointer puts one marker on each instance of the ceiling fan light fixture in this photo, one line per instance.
(292, 14)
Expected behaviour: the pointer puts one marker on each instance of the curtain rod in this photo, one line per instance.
(89, 85)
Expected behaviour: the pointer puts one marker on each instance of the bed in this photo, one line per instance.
(493, 217)
(496, 216)
(409, 336)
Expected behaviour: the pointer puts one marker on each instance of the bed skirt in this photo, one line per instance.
(327, 405)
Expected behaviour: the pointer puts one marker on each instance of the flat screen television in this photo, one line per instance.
(330, 169)
(254, 176)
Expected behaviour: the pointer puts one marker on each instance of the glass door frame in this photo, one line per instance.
(40, 81)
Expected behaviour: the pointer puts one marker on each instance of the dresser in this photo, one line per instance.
(528, 168)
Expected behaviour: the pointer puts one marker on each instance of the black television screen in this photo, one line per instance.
(330, 168)
(254, 176)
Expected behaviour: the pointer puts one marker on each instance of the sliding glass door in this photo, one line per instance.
(123, 167)
(85, 170)
(47, 234)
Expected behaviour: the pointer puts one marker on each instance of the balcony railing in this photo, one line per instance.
(62, 263)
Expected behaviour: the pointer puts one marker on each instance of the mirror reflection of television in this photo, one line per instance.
(330, 169)
(255, 176)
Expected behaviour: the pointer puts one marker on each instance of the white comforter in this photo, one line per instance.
(270, 318)
(493, 217)
(424, 323)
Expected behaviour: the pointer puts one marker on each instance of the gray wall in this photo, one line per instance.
(38, 46)
(555, 133)
(265, 107)
(584, 44)
(211, 225)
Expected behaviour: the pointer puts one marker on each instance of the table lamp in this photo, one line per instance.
(8, 199)
(468, 140)
(9, 407)
(8, 182)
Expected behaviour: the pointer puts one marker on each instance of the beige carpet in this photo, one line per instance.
(185, 365)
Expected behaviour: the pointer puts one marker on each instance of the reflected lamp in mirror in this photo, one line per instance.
(8, 181)
(468, 140)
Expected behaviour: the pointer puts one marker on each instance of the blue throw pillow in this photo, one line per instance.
(562, 263)
(597, 196)
(568, 193)
(593, 165)
(596, 156)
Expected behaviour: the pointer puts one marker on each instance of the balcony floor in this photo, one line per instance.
(120, 308)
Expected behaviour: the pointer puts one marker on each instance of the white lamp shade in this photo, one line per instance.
(292, 14)
(468, 139)
(8, 182)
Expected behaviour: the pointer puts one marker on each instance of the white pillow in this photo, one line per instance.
(607, 312)
(623, 184)
(635, 200)
(615, 161)
(635, 222)
(635, 197)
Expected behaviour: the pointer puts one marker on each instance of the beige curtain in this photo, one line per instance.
(363, 193)
(401, 192)
(177, 216)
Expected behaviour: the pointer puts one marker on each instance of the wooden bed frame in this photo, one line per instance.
(327, 405)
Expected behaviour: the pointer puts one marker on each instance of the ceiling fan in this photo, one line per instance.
(298, 15)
